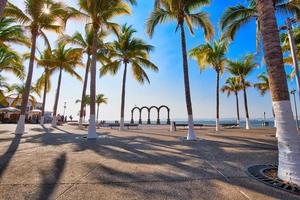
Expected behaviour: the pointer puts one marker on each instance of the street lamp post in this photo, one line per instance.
(293, 92)
(290, 33)
(65, 106)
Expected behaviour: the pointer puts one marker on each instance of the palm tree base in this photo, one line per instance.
(122, 128)
(42, 121)
(20, 126)
(217, 124)
(248, 125)
(80, 126)
(191, 133)
(288, 143)
(54, 122)
(172, 127)
(92, 134)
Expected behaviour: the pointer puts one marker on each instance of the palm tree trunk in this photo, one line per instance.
(123, 98)
(98, 105)
(191, 134)
(21, 123)
(86, 77)
(288, 137)
(218, 101)
(44, 99)
(54, 120)
(2, 6)
(273, 112)
(237, 108)
(248, 126)
(92, 122)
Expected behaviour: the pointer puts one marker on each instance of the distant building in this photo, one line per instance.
(30, 107)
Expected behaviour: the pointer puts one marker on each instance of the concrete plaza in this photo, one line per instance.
(145, 163)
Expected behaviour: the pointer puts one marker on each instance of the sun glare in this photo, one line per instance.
(46, 9)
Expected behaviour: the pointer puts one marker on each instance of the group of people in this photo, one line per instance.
(63, 119)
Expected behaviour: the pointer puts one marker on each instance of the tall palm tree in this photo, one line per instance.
(181, 11)
(100, 99)
(241, 69)
(237, 16)
(100, 13)
(233, 85)
(212, 55)
(65, 59)
(11, 33)
(85, 102)
(129, 50)
(288, 137)
(85, 42)
(10, 61)
(37, 16)
(2, 6)
(44, 82)
(263, 87)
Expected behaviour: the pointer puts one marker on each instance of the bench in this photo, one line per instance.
(229, 125)
(186, 125)
(118, 125)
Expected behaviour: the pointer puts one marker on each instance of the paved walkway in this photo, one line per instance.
(48, 163)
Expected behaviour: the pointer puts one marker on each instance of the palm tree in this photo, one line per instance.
(100, 13)
(263, 87)
(38, 16)
(100, 99)
(4, 88)
(17, 91)
(10, 61)
(65, 59)
(288, 137)
(129, 50)
(85, 42)
(2, 6)
(233, 85)
(237, 16)
(11, 33)
(212, 55)
(44, 82)
(241, 69)
(181, 11)
(85, 102)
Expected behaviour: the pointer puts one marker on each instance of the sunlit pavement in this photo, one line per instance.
(60, 163)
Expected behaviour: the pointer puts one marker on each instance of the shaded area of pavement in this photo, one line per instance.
(137, 164)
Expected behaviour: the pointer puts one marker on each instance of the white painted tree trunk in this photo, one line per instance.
(122, 128)
(191, 133)
(238, 122)
(20, 126)
(248, 124)
(217, 124)
(80, 123)
(172, 127)
(92, 128)
(54, 122)
(42, 120)
(288, 143)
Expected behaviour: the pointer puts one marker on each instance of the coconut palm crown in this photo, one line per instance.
(237, 16)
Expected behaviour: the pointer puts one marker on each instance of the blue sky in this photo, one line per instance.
(167, 85)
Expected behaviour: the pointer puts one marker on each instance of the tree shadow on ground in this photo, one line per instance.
(51, 178)
(186, 160)
(8, 155)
